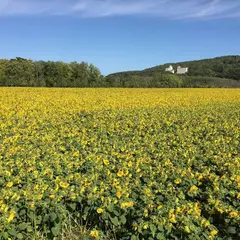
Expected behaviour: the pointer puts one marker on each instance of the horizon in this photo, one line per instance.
(119, 36)
(39, 60)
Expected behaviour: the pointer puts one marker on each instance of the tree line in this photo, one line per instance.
(218, 72)
(227, 67)
(24, 72)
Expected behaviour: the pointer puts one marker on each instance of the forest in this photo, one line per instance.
(217, 72)
(24, 72)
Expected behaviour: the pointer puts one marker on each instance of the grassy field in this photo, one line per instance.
(119, 163)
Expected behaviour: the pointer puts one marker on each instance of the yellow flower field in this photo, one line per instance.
(123, 163)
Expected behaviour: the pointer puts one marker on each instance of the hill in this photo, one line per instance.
(216, 72)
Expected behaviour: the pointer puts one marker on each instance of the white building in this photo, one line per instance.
(181, 70)
(170, 69)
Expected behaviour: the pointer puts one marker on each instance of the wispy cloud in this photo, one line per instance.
(100, 8)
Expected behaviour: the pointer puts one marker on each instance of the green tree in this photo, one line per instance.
(79, 74)
(166, 81)
(39, 74)
(94, 78)
(3, 63)
(62, 74)
(20, 72)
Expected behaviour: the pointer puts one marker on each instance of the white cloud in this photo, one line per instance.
(101, 8)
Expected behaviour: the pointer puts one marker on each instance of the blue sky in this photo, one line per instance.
(119, 35)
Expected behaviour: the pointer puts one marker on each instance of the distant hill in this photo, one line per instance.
(216, 72)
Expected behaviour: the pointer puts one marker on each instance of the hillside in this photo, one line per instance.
(218, 72)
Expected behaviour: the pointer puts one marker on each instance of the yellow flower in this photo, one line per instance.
(126, 204)
(17, 197)
(187, 229)
(99, 210)
(145, 226)
(118, 194)
(11, 216)
(32, 205)
(39, 196)
(134, 225)
(120, 173)
(173, 218)
(52, 196)
(213, 232)
(82, 190)
(220, 210)
(200, 178)
(76, 154)
(94, 233)
(233, 214)
(178, 210)
(130, 164)
(64, 185)
(10, 184)
(106, 162)
(205, 223)
(178, 181)
(193, 189)
(47, 171)
(148, 192)
(146, 212)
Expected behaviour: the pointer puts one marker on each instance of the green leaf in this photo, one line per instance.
(116, 213)
(105, 215)
(22, 226)
(114, 221)
(22, 212)
(19, 236)
(160, 228)
(29, 229)
(86, 209)
(31, 215)
(72, 206)
(153, 229)
(160, 236)
(46, 218)
(85, 217)
(133, 237)
(53, 216)
(13, 232)
(232, 230)
(123, 219)
(5, 235)
(55, 231)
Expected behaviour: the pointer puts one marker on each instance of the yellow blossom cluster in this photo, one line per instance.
(148, 163)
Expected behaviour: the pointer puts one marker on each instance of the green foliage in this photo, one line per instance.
(217, 72)
(23, 72)
(223, 67)
(141, 163)
(192, 81)
(166, 81)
